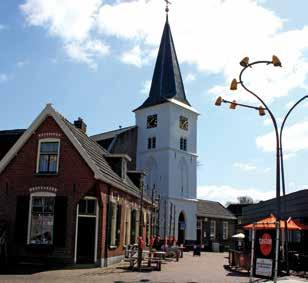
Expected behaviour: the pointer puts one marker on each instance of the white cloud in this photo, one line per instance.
(134, 57)
(146, 87)
(245, 166)
(68, 19)
(200, 37)
(190, 78)
(225, 193)
(3, 78)
(223, 45)
(297, 139)
(22, 63)
(269, 122)
(86, 51)
(72, 21)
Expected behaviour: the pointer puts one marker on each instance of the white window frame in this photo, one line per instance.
(96, 215)
(36, 194)
(39, 153)
(225, 230)
(213, 235)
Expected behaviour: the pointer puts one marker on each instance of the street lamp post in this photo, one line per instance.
(283, 179)
(245, 64)
(279, 152)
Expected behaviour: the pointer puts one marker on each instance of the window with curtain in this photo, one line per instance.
(42, 220)
(48, 157)
(115, 224)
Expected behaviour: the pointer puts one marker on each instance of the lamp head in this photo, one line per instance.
(233, 85)
(261, 111)
(218, 101)
(276, 62)
(244, 62)
(233, 105)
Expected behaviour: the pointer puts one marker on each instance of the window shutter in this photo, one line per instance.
(60, 216)
(21, 224)
(109, 220)
(118, 235)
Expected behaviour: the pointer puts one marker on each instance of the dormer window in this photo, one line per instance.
(48, 156)
(152, 143)
(183, 144)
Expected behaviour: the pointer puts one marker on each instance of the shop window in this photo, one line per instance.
(48, 158)
(41, 220)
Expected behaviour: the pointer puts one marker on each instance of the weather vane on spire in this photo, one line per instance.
(167, 5)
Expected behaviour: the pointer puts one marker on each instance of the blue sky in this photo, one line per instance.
(95, 58)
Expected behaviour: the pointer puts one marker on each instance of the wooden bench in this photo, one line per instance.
(155, 260)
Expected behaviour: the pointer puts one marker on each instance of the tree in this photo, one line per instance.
(242, 200)
(245, 200)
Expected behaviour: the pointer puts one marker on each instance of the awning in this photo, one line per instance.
(270, 223)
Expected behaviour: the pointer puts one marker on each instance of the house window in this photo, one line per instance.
(152, 143)
(225, 232)
(133, 231)
(183, 144)
(87, 207)
(213, 229)
(48, 156)
(115, 225)
(41, 220)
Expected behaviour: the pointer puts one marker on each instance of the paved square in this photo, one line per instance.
(207, 268)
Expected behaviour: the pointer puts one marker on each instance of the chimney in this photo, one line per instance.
(80, 124)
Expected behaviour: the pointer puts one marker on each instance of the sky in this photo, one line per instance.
(95, 58)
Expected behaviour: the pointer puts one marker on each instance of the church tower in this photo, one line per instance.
(167, 144)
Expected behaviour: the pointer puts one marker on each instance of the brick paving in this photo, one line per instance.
(207, 268)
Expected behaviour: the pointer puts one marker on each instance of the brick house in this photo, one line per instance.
(64, 198)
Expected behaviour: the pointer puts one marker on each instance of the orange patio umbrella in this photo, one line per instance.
(270, 223)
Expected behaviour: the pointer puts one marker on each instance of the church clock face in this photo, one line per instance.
(183, 123)
(152, 121)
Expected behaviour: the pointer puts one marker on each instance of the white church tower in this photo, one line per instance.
(167, 144)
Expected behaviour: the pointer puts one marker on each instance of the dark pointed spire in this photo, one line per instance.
(167, 80)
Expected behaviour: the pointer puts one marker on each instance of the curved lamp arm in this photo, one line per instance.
(275, 127)
(286, 117)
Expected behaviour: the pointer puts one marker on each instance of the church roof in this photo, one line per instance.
(167, 80)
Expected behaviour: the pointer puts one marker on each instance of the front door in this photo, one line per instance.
(181, 228)
(87, 230)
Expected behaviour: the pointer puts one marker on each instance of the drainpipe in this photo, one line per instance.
(107, 228)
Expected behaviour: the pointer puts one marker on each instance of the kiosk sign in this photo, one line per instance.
(264, 253)
(266, 244)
